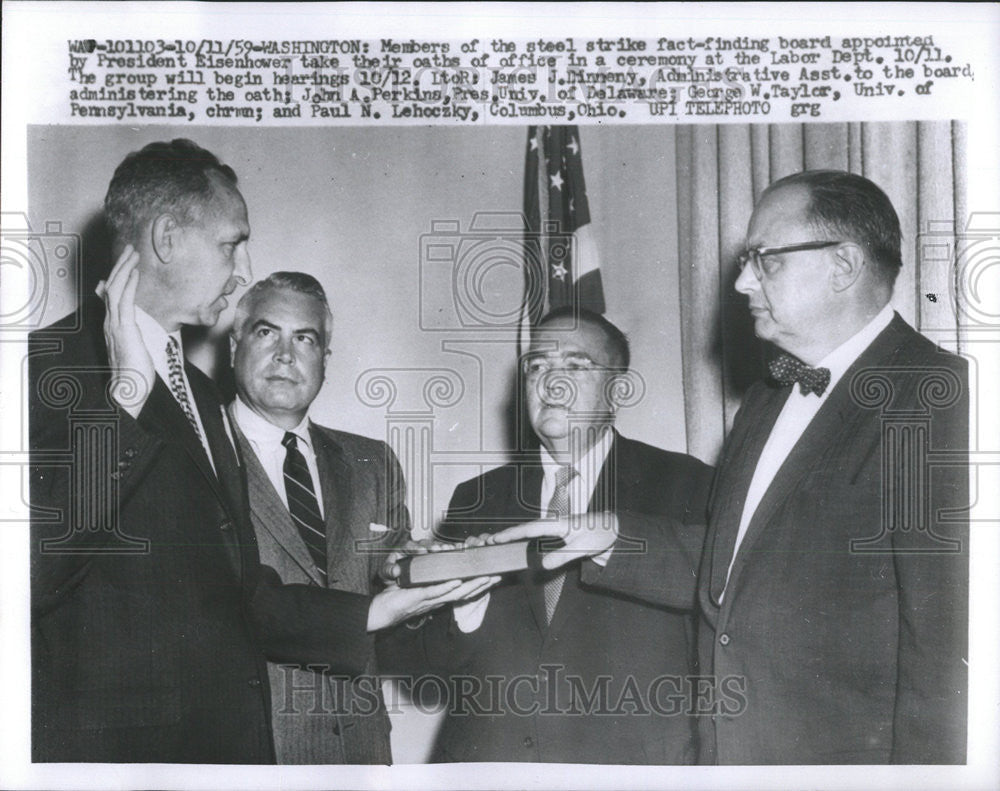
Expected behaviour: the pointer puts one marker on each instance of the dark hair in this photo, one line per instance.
(616, 339)
(299, 282)
(162, 177)
(848, 205)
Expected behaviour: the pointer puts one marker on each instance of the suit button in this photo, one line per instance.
(129, 453)
(254, 682)
(723, 639)
(227, 525)
(529, 742)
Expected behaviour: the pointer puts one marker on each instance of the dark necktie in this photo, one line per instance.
(302, 503)
(558, 508)
(787, 370)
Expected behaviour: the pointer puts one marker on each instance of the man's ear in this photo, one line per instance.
(616, 390)
(848, 264)
(165, 232)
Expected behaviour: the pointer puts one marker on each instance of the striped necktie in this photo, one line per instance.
(558, 508)
(177, 386)
(302, 503)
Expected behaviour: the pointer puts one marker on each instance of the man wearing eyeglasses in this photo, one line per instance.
(546, 667)
(835, 577)
(834, 583)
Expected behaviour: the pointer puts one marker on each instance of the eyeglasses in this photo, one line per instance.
(537, 365)
(755, 257)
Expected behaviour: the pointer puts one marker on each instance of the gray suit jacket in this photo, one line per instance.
(318, 718)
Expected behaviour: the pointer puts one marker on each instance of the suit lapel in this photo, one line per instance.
(606, 494)
(269, 510)
(731, 489)
(336, 485)
(169, 420)
(224, 456)
(822, 430)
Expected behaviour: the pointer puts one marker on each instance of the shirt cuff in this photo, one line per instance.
(469, 615)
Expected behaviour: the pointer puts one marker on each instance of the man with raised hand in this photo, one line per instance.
(151, 612)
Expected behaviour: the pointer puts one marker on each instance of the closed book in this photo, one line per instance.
(464, 563)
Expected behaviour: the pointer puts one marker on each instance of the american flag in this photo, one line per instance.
(561, 264)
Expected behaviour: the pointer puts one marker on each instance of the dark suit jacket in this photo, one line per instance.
(843, 628)
(318, 719)
(601, 683)
(155, 655)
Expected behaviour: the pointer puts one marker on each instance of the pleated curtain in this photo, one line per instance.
(722, 170)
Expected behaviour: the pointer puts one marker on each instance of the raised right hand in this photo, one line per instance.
(132, 367)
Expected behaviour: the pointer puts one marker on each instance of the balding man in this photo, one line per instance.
(548, 667)
(834, 583)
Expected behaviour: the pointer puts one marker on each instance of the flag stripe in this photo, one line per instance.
(561, 258)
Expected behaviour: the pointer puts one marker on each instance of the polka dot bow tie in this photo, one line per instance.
(788, 370)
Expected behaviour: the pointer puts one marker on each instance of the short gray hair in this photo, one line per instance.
(175, 176)
(299, 282)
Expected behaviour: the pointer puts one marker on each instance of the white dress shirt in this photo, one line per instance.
(155, 338)
(795, 416)
(581, 487)
(265, 439)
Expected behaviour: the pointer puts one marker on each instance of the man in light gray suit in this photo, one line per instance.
(326, 506)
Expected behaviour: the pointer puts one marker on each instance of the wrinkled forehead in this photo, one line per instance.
(288, 309)
(567, 335)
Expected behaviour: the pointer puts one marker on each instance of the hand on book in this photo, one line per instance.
(575, 536)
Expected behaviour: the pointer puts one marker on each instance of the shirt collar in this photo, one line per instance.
(593, 459)
(841, 358)
(260, 430)
(154, 337)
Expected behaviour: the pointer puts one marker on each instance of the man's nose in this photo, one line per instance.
(557, 388)
(242, 271)
(284, 351)
(747, 282)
